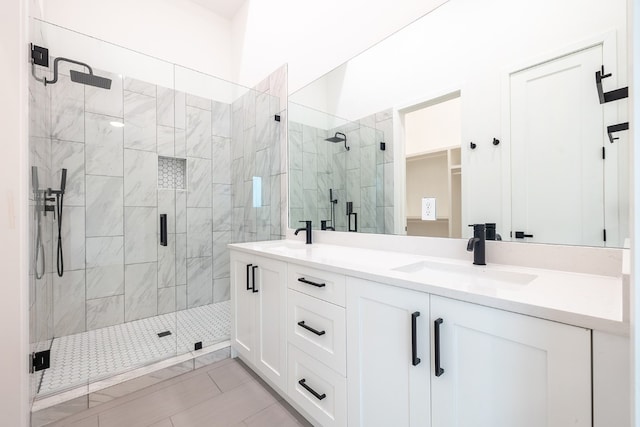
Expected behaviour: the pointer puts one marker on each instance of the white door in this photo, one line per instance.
(503, 369)
(271, 310)
(243, 316)
(557, 137)
(385, 385)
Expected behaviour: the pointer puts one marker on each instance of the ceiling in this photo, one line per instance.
(225, 8)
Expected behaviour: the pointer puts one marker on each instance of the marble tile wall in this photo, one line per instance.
(115, 269)
(362, 175)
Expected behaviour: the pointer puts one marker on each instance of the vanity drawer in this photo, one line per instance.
(319, 328)
(317, 283)
(317, 389)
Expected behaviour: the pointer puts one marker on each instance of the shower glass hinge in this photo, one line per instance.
(198, 345)
(277, 117)
(40, 55)
(40, 360)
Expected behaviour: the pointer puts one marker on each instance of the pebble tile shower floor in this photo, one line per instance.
(101, 353)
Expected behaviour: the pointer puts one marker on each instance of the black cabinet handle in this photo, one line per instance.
(436, 337)
(309, 328)
(248, 270)
(163, 229)
(309, 282)
(415, 360)
(303, 381)
(253, 278)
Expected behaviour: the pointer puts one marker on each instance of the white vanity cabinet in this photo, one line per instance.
(387, 368)
(500, 369)
(258, 330)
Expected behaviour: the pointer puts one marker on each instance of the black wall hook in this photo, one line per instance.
(496, 141)
(613, 95)
(473, 145)
(616, 128)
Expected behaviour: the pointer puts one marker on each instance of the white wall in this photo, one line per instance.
(13, 216)
(313, 37)
(433, 128)
(470, 46)
(178, 31)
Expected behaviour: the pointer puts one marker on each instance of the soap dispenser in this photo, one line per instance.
(476, 244)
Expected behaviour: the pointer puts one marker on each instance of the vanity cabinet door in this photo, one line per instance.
(243, 303)
(501, 369)
(387, 382)
(271, 326)
(258, 320)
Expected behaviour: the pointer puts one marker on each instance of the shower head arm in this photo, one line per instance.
(55, 69)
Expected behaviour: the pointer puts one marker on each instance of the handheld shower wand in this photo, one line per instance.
(59, 205)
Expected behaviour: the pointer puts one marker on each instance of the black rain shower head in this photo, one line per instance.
(88, 79)
(340, 138)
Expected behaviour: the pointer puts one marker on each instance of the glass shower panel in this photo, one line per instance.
(113, 309)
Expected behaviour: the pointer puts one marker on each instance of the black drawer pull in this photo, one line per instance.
(309, 328)
(253, 278)
(248, 272)
(308, 282)
(436, 338)
(303, 381)
(415, 360)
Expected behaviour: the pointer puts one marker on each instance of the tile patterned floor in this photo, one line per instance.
(225, 394)
(91, 356)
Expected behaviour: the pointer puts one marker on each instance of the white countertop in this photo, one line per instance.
(585, 300)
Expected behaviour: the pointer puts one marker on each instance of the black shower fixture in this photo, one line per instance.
(339, 137)
(40, 56)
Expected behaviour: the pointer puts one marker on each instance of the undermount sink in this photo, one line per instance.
(476, 273)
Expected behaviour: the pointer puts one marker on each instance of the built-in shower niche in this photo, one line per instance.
(172, 172)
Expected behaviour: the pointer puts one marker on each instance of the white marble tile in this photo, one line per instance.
(104, 198)
(262, 163)
(103, 312)
(140, 235)
(166, 300)
(221, 119)
(263, 223)
(198, 133)
(295, 150)
(237, 139)
(389, 220)
(221, 207)
(386, 126)
(368, 165)
(249, 108)
(198, 102)
(39, 106)
(105, 101)
(237, 225)
(264, 120)
(70, 156)
(278, 85)
(167, 263)
(199, 229)
(181, 297)
(166, 141)
(73, 239)
(221, 160)
(139, 121)
(199, 178)
(181, 211)
(68, 303)
(388, 184)
(181, 143)
(44, 323)
(199, 282)
(105, 266)
(221, 254)
(141, 291)
(138, 86)
(40, 157)
(67, 109)
(180, 104)
(276, 205)
(221, 289)
(140, 178)
(166, 106)
(249, 153)
(237, 183)
(310, 170)
(295, 190)
(103, 145)
(181, 259)
(367, 217)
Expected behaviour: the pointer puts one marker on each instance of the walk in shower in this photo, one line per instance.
(159, 167)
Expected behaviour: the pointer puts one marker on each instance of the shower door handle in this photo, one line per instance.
(163, 229)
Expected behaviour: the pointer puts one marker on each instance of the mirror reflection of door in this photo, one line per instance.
(557, 138)
(433, 170)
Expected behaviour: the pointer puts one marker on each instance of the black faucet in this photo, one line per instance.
(307, 229)
(490, 228)
(476, 244)
(324, 226)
